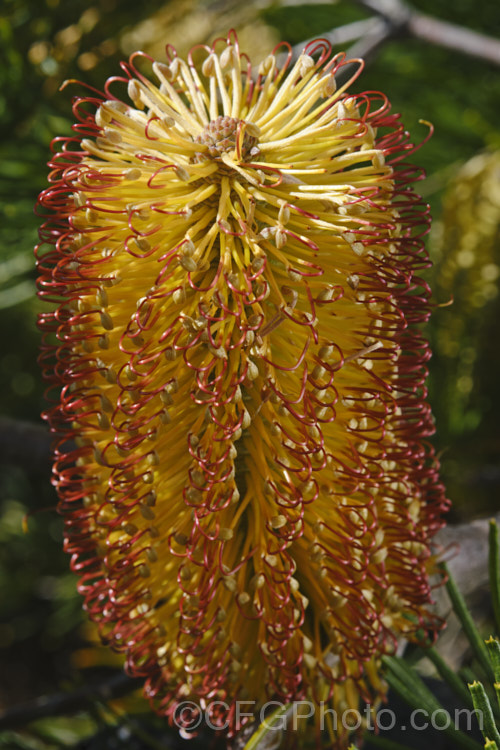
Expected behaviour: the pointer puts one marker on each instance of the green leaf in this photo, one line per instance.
(463, 614)
(417, 694)
(493, 647)
(496, 687)
(410, 687)
(483, 708)
(15, 295)
(494, 571)
(449, 676)
(273, 723)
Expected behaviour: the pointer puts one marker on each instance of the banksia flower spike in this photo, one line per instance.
(467, 248)
(242, 463)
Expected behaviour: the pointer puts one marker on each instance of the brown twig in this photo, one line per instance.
(455, 37)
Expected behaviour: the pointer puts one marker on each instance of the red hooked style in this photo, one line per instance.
(238, 376)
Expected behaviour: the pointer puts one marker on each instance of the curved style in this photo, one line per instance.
(239, 376)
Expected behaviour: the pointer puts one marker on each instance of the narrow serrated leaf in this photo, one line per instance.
(406, 683)
(483, 708)
(463, 614)
(494, 571)
(449, 676)
(493, 647)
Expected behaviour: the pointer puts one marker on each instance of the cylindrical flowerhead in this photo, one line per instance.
(468, 252)
(240, 376)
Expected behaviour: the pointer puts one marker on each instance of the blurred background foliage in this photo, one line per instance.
(43, 43)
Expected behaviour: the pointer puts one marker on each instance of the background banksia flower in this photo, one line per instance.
(236, 355)
(466, 244)
(466, 247)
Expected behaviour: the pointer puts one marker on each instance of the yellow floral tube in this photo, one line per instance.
(239, 377)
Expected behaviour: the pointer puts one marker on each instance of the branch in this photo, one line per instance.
(367, 47)
(403, 19)
(455, 37)
(394, 18)
(370, 34)
(68, 703)
(342, 34)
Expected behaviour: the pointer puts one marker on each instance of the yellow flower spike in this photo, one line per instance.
(236, 355)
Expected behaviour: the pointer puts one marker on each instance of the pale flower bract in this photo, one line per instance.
(239, 376)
